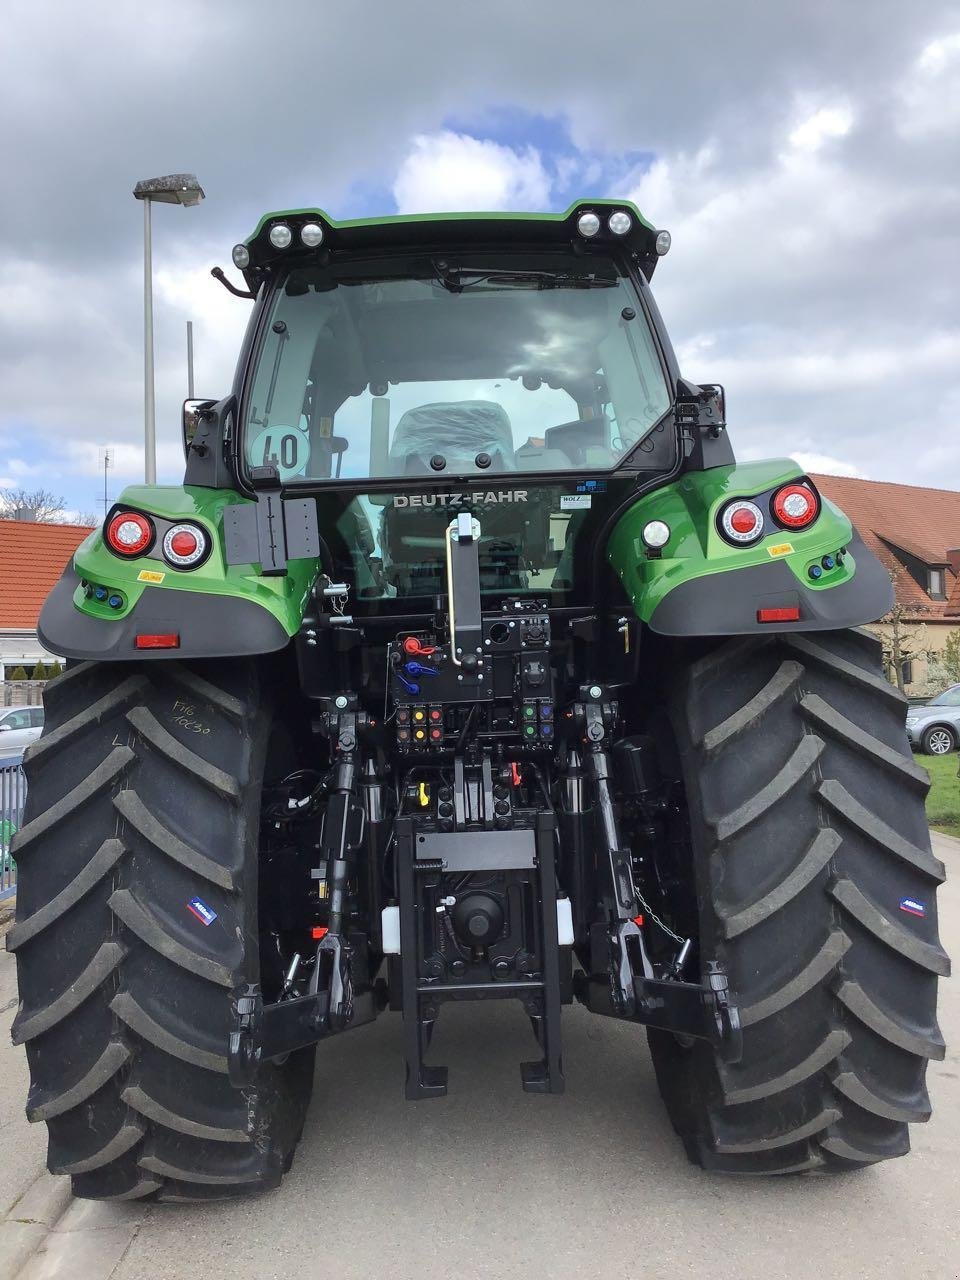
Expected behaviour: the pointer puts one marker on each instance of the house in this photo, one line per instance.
(32, 558)
(915, 533)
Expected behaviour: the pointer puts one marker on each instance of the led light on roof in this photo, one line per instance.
(241, 257)
(663, 243)
(311, 233)
(619, 223)
(588, 224)
(281, 237)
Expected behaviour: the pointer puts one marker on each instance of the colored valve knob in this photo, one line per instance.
(418, 669)
(415, 648)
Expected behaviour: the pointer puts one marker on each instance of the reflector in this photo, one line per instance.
(169, 641)
(791, 613)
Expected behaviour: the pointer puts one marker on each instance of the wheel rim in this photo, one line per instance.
(940, 742)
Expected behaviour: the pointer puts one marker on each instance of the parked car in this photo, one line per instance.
(934, 726)
(19, 726)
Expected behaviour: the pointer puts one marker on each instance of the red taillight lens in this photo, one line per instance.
(795, 506)
(741, 521)
(128, 533)
(185, 546)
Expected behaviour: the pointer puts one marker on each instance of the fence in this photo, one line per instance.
(13, 793)
(21, 693)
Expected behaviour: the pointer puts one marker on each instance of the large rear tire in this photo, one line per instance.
(137, 924)
(816, 888)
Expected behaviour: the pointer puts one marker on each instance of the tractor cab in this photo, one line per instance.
(528, 385)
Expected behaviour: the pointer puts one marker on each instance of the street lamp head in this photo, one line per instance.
(174, 188)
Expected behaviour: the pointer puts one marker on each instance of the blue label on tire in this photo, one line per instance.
(912, 907)
(206, 915)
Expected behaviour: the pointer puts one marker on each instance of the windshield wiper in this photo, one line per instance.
(456, 279)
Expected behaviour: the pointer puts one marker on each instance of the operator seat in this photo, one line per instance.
(413, 533)
(457, 431)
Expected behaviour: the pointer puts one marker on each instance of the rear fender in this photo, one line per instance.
(215, 610)
(701, 585)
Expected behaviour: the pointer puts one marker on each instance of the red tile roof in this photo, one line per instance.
(924, 523)
(32, 558)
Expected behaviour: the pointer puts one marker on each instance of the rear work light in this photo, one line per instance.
(128, 534)
(795, 506)
(741, 521)
(185, 546)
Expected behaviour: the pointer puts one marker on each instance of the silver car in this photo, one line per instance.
(19, 726)
(934, 726)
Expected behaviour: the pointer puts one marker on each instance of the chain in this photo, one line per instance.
(656, 919)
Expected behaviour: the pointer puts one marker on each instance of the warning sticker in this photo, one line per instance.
(150, 575)
(780, 549)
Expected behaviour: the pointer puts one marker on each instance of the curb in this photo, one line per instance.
(29, 1221)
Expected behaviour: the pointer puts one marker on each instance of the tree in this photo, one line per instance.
(944, 666)
(17, 673)
(39, 672)
(39, 505)
(904, 640)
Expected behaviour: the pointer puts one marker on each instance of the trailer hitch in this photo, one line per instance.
(702, 1011)
(262, 1032)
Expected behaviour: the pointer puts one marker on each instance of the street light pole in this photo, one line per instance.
(189, 359)
(149, 399)
(175, 188)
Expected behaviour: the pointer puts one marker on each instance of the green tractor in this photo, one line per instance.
(467, 663)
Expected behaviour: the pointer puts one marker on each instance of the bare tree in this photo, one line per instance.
(39, 505)
(904, 639)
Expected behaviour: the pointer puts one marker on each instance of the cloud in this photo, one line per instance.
(816, 129)
(446, 170)
(808, 181)
(930, 96)
(810, 281)
(823, 464)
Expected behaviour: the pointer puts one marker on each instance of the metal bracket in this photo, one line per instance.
(705, 1012)
(263, 1032)
(271, 531)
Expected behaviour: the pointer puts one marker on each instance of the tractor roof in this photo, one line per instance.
(434, 229)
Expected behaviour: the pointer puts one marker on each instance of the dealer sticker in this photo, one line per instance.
(781, 549)
(576, 501)
(204, 914)
(912, 907)
(150, 575)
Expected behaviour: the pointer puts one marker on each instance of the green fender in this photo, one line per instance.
(216, 609)
(699, 584)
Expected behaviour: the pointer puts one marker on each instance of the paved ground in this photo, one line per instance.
(492, 1182)
(22, 1146)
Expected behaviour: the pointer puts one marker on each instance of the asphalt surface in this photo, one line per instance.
(492, 1182)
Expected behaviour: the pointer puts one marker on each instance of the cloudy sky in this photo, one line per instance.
(805, 156)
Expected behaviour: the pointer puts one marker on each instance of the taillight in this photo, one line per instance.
(128, 534)
(185, 545)
(741, 521)
(795, 506)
